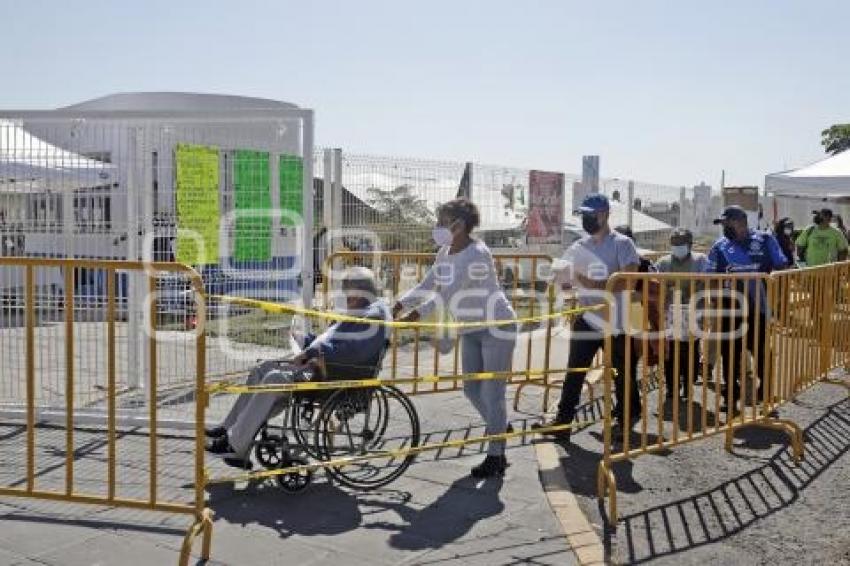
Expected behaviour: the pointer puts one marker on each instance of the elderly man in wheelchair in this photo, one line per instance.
(346, 350)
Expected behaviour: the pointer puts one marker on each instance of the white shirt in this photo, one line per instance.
(465, 284)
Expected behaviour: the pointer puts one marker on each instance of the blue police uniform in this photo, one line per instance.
(759, 252)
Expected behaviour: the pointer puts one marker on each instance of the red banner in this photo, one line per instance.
(546, 207)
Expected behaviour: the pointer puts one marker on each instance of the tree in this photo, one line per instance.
(405, 219)
(836, 138)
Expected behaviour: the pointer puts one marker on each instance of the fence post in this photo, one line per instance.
(826, 320)
(134, 280)
(307, 275)
(336, 190)
(470, 167)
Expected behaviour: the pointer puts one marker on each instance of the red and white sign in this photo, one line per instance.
(545, 208)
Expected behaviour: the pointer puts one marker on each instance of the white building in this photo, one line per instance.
(98, 180)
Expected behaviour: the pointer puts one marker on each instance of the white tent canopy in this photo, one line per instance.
(826, 179)
(30, 164)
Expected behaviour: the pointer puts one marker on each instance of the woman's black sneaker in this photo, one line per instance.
(491, 466)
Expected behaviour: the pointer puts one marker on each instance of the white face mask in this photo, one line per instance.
(789, 231)
(442, 235)
(680, 252)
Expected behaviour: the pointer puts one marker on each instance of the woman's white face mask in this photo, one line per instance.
(789, 231)
(443, 235)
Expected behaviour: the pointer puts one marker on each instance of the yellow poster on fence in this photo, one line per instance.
(198, 213)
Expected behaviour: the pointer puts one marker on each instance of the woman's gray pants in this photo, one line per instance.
(485, 350)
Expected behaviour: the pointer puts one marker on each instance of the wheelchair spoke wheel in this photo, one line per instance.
(268, 448)
(361, 422)
(293, 482)
(267, 453)
(303, 425)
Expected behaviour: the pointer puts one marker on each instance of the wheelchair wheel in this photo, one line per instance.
(267, 449)
(303, 425)
(361, 422)
(293, 482)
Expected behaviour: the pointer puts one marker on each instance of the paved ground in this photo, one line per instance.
(698, 504)
(693, 505)
(434, 514)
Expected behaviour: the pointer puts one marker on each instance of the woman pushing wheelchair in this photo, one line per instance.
(463, 281)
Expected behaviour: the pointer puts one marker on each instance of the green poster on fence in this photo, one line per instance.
(291, 190)
(198, 214)
(252, 204)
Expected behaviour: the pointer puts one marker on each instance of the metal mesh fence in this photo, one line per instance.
(223, 193)
(390, 203)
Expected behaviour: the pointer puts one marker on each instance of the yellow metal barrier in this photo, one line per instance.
(801, 310)
(202, 525)
(524, 276)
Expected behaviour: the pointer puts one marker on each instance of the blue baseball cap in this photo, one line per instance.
(594, 203)
(733, 212)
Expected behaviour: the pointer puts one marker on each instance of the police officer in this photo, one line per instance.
(743, 250)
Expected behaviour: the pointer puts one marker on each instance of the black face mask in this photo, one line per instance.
(590, 224)
(730, 233)
(818, 218)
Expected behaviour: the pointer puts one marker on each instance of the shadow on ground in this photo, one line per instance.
(711, 516)
(443, 521)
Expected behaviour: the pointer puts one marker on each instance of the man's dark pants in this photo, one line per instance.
(585, 341)
(746, 338)
(695, 366)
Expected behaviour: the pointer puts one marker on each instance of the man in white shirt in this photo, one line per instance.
(587, 265)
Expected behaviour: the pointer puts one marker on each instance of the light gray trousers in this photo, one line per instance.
(252, 410)
(482, 351)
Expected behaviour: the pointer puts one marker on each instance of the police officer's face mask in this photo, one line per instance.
(729, 231)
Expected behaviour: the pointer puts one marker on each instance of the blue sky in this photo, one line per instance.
(669, 92)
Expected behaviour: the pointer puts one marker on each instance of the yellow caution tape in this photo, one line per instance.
(281, 308)
(225, 387)
(398, 453)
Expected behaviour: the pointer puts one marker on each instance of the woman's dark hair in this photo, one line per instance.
(782, 223)
(461, 209)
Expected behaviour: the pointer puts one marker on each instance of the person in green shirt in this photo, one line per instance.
(821, 242)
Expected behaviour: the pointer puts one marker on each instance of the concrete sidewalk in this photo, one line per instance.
(434, 514)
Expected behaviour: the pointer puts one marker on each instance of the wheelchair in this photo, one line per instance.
(326, 425)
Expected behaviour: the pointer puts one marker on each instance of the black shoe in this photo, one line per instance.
(618, 430)
(559, 420)
(215, 432)
(491, 466)
(242, 464)
(221, 445)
